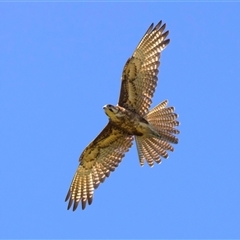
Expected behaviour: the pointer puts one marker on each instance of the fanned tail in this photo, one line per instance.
(163, 120)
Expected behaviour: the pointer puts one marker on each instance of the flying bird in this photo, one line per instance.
(153, 130)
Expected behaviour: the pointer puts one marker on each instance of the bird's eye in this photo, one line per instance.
(110, 109)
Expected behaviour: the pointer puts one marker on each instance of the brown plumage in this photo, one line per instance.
(153, 130)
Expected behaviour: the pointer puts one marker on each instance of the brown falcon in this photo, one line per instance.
(131, 118)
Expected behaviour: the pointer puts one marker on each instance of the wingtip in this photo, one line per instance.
(150, 28)
(162, 28)
(166, 42)
(90, 199)
(84, 202)
(69, 204)
(75, 205)
(68, 195)
(158, 25)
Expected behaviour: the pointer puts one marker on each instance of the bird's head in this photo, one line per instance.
(110, 110)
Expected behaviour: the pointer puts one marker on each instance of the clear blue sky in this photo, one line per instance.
(61, 62)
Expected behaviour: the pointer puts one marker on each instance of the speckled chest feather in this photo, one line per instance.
(130, 122)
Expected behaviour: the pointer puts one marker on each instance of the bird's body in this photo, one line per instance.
(130, 119)
(129, 122)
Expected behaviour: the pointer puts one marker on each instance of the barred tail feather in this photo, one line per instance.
(163, 120)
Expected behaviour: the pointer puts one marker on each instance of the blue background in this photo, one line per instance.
(61, 62)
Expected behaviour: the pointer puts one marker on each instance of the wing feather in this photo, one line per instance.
(139, 77)
(99, 158)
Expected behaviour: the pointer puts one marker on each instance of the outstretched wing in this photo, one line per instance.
(99, 158)
(139, 77)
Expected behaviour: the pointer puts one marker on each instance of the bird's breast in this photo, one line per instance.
(131, 123)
